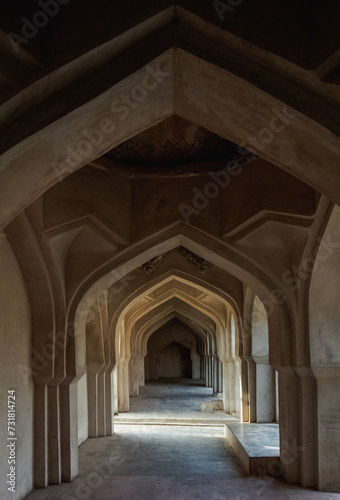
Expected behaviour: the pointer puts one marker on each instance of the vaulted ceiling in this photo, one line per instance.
(303, 32)
(100, 163)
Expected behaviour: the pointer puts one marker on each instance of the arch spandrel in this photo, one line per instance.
(234, 118)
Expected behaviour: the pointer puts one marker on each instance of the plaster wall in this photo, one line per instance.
(324, 321)
(324, 297)
(15, 373)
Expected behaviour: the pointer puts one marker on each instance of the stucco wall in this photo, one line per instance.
(324, 310)
(15, 373)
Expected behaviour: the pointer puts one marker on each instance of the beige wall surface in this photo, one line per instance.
(15, 374)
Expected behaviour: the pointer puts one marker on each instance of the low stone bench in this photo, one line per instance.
(256, 445)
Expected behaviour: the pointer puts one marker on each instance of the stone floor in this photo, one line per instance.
(168, 462)
(173, 401)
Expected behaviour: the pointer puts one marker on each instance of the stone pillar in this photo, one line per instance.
(265, 393)
(69, 426)
(328, 428)
(40, 435)
(123, 386)
(206, 371)
(252, 390)
(115, 389)
(232, 387)
(245, 390)
(307, 427)
(289, 424)
(142, 371)
(210, 358)
(109, 406)
(237, 386)
(215, 370)
(309, 413)
(226, 386)
(55, 429)
(98, 360)
(220, 376)
(92, 398)
(54, 453)
(101, 404)
(133, 377)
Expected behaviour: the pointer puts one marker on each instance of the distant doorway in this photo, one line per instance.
(173, 353)
(174, 361)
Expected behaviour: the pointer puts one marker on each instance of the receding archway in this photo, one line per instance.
(172, 352)
(174, 362)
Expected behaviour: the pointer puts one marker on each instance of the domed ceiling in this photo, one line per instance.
(173, 146)
(172, 142)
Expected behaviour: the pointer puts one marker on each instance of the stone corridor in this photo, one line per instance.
(174, 401)
(169, 207)
(186, 460)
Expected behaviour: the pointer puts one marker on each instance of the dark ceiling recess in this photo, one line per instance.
(305, 32)
(173, 147)
(172, 142)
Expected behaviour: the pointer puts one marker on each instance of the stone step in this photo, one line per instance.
(169, 421)
(256, 445)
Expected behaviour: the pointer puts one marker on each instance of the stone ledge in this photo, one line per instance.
(256, 445)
